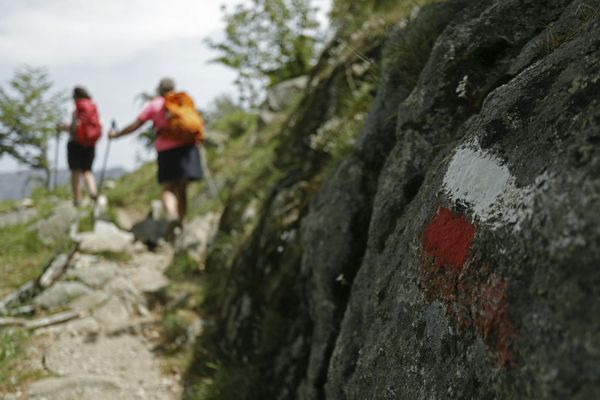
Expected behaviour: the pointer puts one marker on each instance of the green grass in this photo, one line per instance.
(136, 190)
(236, 123)
(45, 200)
(116, 257)
(8, 205)
(23, 256)
(228, 382)
(13, 372)
(182, 268)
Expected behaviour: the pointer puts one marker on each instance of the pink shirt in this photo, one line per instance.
(155, 111)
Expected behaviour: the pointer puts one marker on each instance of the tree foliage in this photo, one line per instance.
(29, 113)
(267, 42)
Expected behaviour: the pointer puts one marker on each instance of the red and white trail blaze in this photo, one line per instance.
(475, 295)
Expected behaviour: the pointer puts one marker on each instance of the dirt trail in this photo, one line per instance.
(108, 352)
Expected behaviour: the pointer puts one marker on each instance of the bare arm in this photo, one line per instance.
(135, 125)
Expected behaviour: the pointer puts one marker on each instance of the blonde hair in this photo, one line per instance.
(165, 86)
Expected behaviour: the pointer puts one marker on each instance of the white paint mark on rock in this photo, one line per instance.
(479, 180)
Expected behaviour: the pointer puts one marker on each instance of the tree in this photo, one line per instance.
(267, 42)
(28, 117)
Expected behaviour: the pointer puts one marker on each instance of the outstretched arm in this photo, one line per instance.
(135, 125)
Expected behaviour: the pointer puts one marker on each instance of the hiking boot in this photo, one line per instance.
(173, 230)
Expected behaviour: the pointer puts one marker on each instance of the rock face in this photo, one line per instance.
(454, 253)
(468, 287)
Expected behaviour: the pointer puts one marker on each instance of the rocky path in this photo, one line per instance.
(106, 353)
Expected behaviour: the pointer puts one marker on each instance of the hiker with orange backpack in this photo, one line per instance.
(84, 131)
(179, 128)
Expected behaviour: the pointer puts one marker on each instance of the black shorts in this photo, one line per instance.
(179, 163)
(80, 158)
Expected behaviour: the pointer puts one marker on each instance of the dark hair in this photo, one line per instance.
(80, 93)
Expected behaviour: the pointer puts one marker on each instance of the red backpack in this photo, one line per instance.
(88, 129)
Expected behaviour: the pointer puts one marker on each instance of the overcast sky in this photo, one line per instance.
(117, 49)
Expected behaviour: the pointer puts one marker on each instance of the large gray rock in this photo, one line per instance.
(57, 227)
(61, 294)
(125, 291)
(106, 237)
(123, 219)
(112, 313)
(148, 279)
(95, 276)
(197, 235)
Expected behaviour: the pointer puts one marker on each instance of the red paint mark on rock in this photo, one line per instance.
(492, 322)
(475, 296)
(448, 239)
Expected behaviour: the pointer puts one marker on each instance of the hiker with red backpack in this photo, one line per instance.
(84, 132)
(179, 129)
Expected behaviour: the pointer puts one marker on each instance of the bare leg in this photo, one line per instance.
(169, 200)
(90, 181)
(75, 178)
(182, 201)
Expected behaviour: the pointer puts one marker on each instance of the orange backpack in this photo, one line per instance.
(185, 122)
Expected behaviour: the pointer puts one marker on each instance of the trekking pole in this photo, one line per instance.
(100, 201)
(56, 159)
(113, 126)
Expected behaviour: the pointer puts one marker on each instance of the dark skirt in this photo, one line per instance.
(179, 163)
(80, 158)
